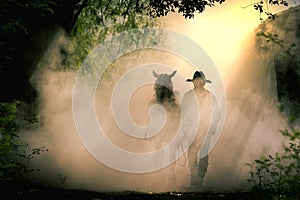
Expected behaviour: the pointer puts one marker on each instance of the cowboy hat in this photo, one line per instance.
(199, 74)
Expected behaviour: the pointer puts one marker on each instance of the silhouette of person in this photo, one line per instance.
(197, 110)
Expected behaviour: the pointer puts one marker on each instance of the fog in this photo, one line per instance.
(251, 127)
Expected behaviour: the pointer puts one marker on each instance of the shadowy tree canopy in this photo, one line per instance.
(21, 22)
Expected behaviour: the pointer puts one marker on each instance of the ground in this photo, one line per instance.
(52, 193)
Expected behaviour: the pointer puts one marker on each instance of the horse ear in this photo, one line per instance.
(155, 74)
(173, 73)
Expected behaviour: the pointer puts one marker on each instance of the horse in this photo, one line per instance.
(164, 95)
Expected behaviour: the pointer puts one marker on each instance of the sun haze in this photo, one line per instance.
(220, 30)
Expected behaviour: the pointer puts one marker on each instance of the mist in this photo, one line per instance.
(251, 127)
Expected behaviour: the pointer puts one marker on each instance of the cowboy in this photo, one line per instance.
(197, 111)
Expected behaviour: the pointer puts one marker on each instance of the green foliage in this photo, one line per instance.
(188, 8)
(287, 70)
(100, 20)
(16, 22)
(287, 50)
(15, 13)
(8, 133)
(279, 174)
(15, 157)
(158, 8)
(263, 7)
(28, 154)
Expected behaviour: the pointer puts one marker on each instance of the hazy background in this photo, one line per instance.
(251, 127)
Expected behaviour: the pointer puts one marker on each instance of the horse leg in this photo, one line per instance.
(173, 177)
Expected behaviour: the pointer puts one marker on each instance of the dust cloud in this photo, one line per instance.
(68, 164)
(251, 126)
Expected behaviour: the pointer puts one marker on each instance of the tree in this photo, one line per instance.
(99, 20)
(22, 20)
(21, 25)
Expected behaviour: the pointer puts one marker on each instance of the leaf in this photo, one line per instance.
(248, 164)
(292, 119)
(281, 108)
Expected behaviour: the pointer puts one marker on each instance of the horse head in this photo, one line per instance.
(163, 88)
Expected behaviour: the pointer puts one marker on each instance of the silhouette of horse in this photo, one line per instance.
(163, 89)
(164, 95)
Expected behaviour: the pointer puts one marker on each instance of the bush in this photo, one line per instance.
(15, 157)
(8, 144)
(279, 175)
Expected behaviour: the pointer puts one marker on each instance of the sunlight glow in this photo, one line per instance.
(221, 30)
